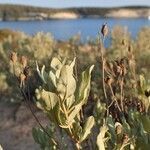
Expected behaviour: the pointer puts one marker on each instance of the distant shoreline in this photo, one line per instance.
(69, 18)
(88, 17)
(27, 13)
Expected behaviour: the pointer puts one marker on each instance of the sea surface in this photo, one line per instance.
(86, 27)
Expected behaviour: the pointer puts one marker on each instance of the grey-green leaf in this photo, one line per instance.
(87, 128)
(56, 64)
(82, 92)
(48, 98)
(101, 138)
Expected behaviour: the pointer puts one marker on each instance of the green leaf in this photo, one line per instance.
(1, 147)
(111, 127)
(81, 99)
(76, 109)
(60, 116)
(66, 84)
(56, 63)
(141, 144)
(47, 79)
(145, 122)
(126, 126)
(77, 129)
(101, 138)
(82, 92)
(40, 137)
(46, 98)
(41, 73)
(35, 135)
(142, 81)
(52, 77)
(87, 128)
(69, 101)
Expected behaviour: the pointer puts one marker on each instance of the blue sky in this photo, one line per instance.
(77, 3)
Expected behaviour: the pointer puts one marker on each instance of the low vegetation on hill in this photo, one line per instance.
(17, 12)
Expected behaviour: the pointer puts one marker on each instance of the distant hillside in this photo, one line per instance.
(19, 12)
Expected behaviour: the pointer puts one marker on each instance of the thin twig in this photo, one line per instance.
(29, 106)
(37, 120)
(114, 98)
(103, 71)
(75, 56)
(121, 92)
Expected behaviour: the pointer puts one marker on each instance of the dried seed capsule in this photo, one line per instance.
(24, 61)
(123, 42)
(125, 138)
(108, 81)
(26, 71)
(130, 48)
(118, 128)
(139, 107)
(13, 57)
(119, 70)
(147, 93)
(22, 77)
(104, 30)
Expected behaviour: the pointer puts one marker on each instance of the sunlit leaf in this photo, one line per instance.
(82, 92)
(101, 138)
(87, 128)
(48, 98)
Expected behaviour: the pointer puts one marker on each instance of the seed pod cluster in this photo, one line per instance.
(109, 68)
(134, 104)
(24, 75)
(21, 68)
(117, 68)
(116, 74)
(121, 67)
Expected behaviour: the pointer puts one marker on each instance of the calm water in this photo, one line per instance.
(64, 29)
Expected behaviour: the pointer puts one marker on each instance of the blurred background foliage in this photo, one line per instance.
(42, 47)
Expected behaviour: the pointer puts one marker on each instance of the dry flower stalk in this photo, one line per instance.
(23, 61)
(13, 57)
(22, 79)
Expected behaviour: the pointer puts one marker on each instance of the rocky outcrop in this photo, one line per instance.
(128, 13)
(64, 15)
